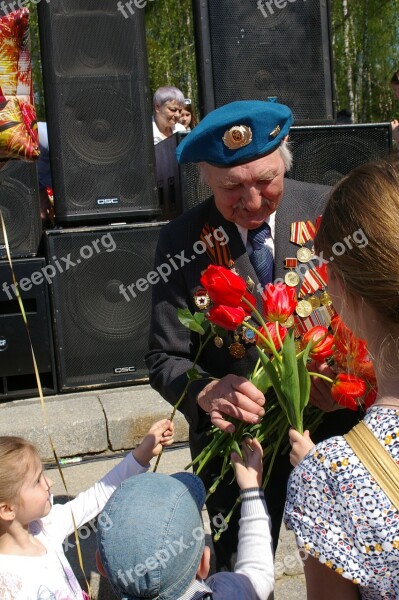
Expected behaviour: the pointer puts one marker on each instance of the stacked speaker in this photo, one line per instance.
(98, 111)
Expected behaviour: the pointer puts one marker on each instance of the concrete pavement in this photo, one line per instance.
(95, 428)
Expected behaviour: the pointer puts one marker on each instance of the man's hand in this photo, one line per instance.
(234, 396)
(320, 391)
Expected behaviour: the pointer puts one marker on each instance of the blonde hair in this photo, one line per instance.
(365, 205)
(16, 458)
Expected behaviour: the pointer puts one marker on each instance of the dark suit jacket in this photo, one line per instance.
(172, 346)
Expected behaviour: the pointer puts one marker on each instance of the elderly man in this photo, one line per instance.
(243, 152)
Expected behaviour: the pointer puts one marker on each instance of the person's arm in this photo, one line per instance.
(254, 554)
(87, 505)
(300, 445)
(323, 583)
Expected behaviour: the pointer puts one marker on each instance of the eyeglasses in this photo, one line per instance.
(187, 100)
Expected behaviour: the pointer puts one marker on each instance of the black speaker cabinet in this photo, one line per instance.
(98, 111)
(180, 187)
(257, 50)
(101, 302)
(17, 377)
(324, 154)
(20, 206)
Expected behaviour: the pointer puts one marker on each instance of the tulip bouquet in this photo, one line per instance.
(281, 371)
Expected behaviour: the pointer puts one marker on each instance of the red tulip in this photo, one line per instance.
(322, 343)
(346, 389)
(223, 286)
(279, 303)
(228, 317)
(272, 330)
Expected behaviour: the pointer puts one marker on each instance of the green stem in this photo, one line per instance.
(184, 392)
(321, 377)
(278, 334)
(267, 341)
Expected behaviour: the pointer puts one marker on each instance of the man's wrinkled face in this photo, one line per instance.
(247, 194)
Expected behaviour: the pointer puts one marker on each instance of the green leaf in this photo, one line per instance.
(290, 380)
(193, 374)
(304, 379)
(274, 378)
(191, 321)
(261, 380)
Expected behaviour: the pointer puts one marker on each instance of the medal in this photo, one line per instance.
(314, 301)
(236, 349)
(304, 308)
(291, 279)
(304, 254)
(249, 336)
(201, 299)
(289, 322)
(325, 299)
(250, 285)
(218, 341)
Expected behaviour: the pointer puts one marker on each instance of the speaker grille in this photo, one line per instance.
(20, 205)
(258, 53)
(99, 111)
(99, 330)
(325, 154)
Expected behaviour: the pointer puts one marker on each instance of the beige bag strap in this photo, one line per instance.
(378, 462)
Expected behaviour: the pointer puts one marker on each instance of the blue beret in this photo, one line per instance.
(236, 133)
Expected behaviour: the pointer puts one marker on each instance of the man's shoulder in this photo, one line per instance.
(305, 188)
(193, 218)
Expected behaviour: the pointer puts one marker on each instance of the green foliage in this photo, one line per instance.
(366, 53)
(170, 44)
(365, 44)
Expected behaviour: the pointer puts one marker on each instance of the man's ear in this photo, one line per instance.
(7, 512)
(204, 566)
(99, 564)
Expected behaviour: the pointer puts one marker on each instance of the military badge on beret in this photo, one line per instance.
(237, 136)
(275, 131)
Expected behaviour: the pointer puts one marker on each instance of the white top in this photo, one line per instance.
(253, 577)
(158, 136)
(50, 576)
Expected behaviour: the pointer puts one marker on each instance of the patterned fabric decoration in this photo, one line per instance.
(18, 126)
(261, 257)
(342, 517)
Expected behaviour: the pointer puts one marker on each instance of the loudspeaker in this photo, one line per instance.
(180, 187)
(324, 154)
(101, 302)
(17, 377)
(260, 50)
(20, 205)
(98, 111)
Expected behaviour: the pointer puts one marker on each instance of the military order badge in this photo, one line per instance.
(237, 137)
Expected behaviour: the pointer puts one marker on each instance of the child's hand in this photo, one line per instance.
(248, 472)
(300, 445)
(159, 435)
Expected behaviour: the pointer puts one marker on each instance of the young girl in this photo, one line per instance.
(341, 517)
(187, 117)
(33, 565)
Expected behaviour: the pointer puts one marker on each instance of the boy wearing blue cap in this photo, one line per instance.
(151, 542)
(243, 154)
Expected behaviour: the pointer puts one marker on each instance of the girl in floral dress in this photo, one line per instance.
(343, 521)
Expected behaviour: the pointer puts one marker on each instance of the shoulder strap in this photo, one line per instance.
(376, 460)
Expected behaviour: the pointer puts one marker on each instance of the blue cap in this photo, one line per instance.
(150, 535)
(236, 133)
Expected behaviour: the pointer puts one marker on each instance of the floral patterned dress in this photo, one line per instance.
(342, 517)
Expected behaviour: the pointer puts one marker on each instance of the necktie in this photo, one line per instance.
(261, 257)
